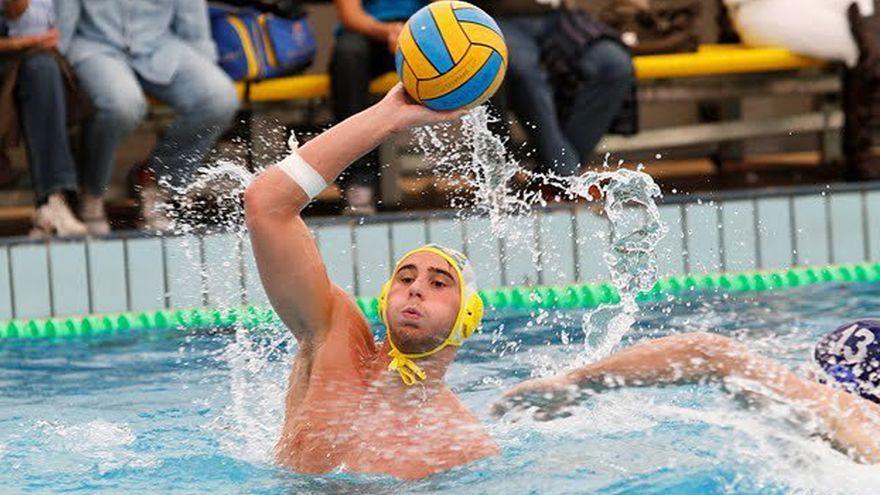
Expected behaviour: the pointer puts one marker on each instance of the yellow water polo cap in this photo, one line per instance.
(470, 312)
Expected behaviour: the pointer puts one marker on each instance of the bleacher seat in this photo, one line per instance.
(709, 60)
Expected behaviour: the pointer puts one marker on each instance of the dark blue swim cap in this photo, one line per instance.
(850, 358)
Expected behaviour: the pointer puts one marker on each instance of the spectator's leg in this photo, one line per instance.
(531, 95)
(349, 74)
(41, 100)
(204, 101)
(607, 69)
(356, 60)
(119, 107)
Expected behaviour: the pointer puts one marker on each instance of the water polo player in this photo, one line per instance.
(353, 403)
(841, 399)
(849, 359)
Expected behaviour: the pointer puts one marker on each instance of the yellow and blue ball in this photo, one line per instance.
(451, 55)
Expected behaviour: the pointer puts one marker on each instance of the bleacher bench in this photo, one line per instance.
(709, 60)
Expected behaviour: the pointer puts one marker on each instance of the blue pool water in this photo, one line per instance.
(200, 413)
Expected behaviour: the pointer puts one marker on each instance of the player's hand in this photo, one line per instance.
(548, 396)
(408, 113)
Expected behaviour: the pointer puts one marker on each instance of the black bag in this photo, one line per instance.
(652, 27)
(561, 50)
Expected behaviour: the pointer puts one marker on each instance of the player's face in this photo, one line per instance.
(423, 302)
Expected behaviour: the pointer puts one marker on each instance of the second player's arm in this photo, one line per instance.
(850, 422)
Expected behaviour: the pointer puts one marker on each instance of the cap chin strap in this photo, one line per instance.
(404, 365)
(408, 370)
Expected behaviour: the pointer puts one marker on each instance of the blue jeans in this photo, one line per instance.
(43, 112)
(606, 68)
(203, 98)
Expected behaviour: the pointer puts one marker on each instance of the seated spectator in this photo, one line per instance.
(564, 137)
(33, 96)
(364, 49)
(122, 51)
(837, 30)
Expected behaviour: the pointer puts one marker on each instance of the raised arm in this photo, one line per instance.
(850, 422)
(290, 265)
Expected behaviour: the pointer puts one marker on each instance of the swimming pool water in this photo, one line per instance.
(200, 413)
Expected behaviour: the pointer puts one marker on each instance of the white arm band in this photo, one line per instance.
(303, 174)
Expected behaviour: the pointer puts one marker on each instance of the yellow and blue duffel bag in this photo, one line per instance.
(253, 45)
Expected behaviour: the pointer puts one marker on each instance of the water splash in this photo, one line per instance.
(211, 202)
(486, 168)
(250, 399)
(479, 160)
(635, 229)
(98, 445)
(258, 362)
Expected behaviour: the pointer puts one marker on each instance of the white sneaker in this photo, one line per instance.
(55, 218)
(359, 201)
(94, 215)
(154, 210)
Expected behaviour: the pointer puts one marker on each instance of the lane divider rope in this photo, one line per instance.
(500, 301)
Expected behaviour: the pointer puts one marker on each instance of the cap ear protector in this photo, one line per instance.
(473, 314)
(383, 300)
